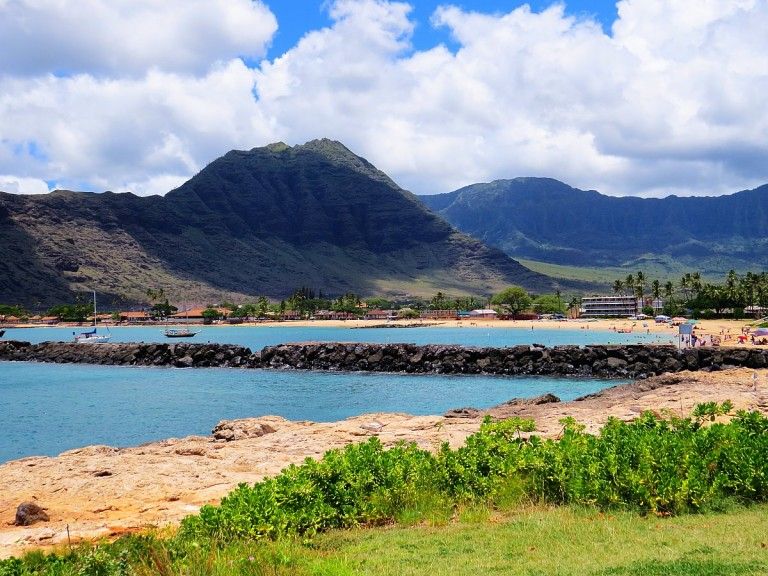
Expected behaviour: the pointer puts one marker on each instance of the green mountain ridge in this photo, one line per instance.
(259, 222)
(548, 221)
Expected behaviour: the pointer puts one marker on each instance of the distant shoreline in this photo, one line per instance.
(727, 330)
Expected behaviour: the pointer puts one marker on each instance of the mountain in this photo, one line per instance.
(258, 222)
(545, 220)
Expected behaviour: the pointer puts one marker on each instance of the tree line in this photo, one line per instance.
(692, 294)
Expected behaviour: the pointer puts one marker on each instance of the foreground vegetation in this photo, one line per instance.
(654, 466)
(526, 540)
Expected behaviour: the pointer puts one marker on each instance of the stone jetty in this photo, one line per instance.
(608, 361)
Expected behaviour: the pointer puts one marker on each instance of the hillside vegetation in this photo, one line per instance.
(258, 222)
(544, 220)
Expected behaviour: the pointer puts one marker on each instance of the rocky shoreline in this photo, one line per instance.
(603, 361)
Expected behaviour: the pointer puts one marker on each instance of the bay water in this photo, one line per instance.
(256, 337)
(49, 408)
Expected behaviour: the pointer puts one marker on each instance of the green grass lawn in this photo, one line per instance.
(562, 541)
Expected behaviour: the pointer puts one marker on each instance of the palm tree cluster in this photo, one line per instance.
(692, 293)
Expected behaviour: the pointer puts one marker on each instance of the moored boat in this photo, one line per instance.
(92, 336)
(179, 333)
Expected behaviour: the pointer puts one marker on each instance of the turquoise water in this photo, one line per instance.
(257, 337)
(49, 408)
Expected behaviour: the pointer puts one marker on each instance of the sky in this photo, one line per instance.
(636, 97)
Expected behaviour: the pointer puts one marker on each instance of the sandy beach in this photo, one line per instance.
(727, 330)
(100, 491)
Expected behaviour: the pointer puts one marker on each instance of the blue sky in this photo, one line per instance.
(297, 17)
(633, 97)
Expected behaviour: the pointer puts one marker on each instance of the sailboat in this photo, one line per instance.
(92, 336)
(180, 332)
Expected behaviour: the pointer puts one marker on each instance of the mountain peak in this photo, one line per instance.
(262, 221)
(277, 147)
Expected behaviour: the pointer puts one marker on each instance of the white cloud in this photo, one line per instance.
(671, 102)
(119, 37)
(117, 133)
(16, 185)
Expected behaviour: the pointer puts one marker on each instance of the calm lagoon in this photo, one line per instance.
(49, 408)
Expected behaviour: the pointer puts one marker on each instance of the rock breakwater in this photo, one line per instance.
(180, 355)
(609, 361)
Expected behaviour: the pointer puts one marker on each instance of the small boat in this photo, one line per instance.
(92, 336)
(179, 333)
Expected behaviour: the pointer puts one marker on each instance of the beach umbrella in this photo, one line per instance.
(761, 332)
(679, 319)
(691, 321)
(661, 318)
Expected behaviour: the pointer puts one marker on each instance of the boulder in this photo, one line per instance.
(29, 513)
(464, 413)
(229, 430)
(535, 401)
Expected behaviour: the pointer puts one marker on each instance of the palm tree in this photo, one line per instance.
(696, 283)
(685, 285)
(640, 287)
(731, 287)
(629, 282)
(669, 290)
(761, 288)
(640, 279)
(618, 287)
(574, 305)
(747, 288)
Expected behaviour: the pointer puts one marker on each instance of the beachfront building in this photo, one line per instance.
(608, 306)
(195, 315)
(439, 314)
(483, 313)
(134, 317)
(333, 315)
(378, 314)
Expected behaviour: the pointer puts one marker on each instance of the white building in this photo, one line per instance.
(609, 306)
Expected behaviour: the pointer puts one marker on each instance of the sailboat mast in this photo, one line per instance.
(94, 308)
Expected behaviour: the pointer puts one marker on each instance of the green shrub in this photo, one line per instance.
(655, 465)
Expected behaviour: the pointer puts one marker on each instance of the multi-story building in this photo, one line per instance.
(608, 306)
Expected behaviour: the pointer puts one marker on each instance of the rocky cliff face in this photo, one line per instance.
(260, 222)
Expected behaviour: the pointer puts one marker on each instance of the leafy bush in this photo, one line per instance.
(655, 465)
